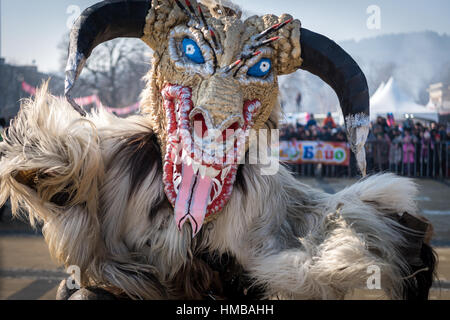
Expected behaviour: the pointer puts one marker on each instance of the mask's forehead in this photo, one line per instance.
(232, 32)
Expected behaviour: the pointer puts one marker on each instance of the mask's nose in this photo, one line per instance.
(220, 105)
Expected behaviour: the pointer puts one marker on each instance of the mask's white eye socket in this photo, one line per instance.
(192, 51)
(261, 69)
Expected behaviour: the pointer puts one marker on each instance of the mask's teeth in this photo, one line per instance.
(195, 166)
(211, 172)
(189, 161)
(177, 183)
(225, 173)
(177, 159)
(183, 154)
(202, 171)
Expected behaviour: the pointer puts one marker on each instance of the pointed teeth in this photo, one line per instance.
(225, 173)
(183, 155)
(211, 172)
(177, 159)
(189, 161)
(202, 171)
(177, 182)
(195, 166)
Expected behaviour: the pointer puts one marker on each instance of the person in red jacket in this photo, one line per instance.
(329, 122)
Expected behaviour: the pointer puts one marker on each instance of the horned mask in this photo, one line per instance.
(213, 79)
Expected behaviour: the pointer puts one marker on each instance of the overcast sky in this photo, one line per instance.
(31, 29)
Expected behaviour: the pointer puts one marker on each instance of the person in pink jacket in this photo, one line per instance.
(408, 153)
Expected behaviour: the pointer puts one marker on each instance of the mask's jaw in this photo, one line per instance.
(198, 179)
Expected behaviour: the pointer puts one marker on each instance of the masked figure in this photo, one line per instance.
(166, 204)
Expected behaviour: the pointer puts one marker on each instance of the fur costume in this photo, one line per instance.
(131, 203)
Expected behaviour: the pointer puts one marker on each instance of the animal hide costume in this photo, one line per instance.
(147, 212)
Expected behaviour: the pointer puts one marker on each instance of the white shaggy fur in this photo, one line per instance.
(294, 241)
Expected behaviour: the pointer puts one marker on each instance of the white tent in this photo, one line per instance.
(389, 98)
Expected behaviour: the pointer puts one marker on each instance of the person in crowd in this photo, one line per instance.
(390, 120)
(381, 151)
(2, 127)
(382, 124)
(408, 153)
(340, 136)
(291, 133)
(311, 122)
(443, 133)
(427, 150)
(328, 122)
(437, 154)
(395, 151)
(326, 134)
(315, 133)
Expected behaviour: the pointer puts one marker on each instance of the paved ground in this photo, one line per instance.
(27, 271)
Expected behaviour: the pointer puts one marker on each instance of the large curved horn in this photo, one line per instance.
(103, 21)
(325, 59)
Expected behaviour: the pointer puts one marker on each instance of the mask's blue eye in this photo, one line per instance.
(192, 51)
(261, 69)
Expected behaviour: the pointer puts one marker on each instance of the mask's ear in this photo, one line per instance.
(287, 58)
(162, 17)
(144, 19)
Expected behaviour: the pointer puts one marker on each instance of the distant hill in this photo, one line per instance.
(414, 59)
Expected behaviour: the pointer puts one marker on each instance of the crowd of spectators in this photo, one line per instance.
(385, 129)
(409, 148)
(328, 131)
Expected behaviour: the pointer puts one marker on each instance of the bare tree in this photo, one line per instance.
(114, 71)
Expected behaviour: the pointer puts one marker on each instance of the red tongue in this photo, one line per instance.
(192, 199)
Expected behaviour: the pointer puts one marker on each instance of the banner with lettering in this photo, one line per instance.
(28, 89)
(333, 153)
(94, 99)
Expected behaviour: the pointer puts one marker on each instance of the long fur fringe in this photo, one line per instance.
(117, 226)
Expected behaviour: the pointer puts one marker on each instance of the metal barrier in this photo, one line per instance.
(419, 160)
(429, 159)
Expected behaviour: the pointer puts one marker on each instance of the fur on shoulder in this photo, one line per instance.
(51, 168)
(53, 151)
